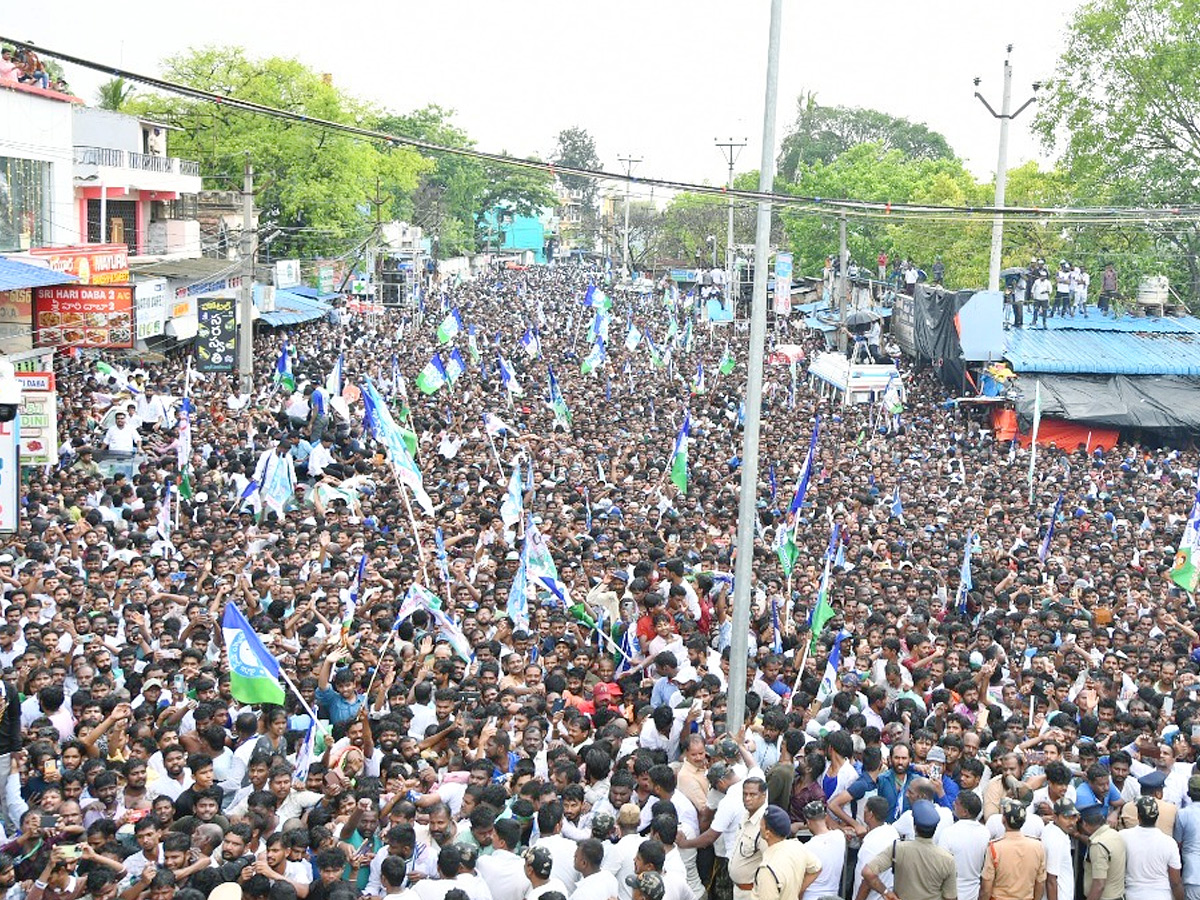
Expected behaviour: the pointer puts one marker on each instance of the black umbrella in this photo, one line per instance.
(860, 318)
(1008, 273)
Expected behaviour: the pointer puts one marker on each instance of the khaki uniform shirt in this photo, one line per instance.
(747, 851)
(920, 869)
(781, 875)
(1166, 817)
(1106, 861)
(1014, 864)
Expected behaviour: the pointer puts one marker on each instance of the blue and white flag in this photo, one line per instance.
(530, 344)
(829, 680)
(508, 377)
(964, 574)
(897, 509)
(333, 381)
(306, 753)
(1044, 550)
(378, 418)
(510, 506)
(450, 327)
(518, 594)
(455, 366)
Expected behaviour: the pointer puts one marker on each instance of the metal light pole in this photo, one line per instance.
(246, 295)
(731, 150)
(1001, 165)
(747, 499)
(629, 162)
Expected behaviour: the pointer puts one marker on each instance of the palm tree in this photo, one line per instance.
(115, 93)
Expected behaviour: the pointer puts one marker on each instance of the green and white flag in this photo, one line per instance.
(679, 459)
(253, 671)
(728, 361)
(593, 360)
(1186, 571)
(450, 327)
(433, 377)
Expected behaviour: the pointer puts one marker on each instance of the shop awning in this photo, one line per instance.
(313, 293)
(293, 309)
(17, 275)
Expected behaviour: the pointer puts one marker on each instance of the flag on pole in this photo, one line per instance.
(378, 420)
(1044, 550)
(594, 359)
(823, 610)
(518, 594)
(785, 544)
(1037, 424)
(433, 377)
(728, 361)
(183, 454)
(494, 425)
(597, 298)
(633, 337)
(508, 377)
(439, 546)
(450, 327)
(306, 753)
(472, 343)
(164, 515)
(698, 386)
(679, 458)
(455, 366)
(776, 634)
(1186, 570)
(510, 506)
(333, 381)
(829, 679)
(774, 483)
(897, 510)
(562, 414)
(283, 369)
(530, 344)
(253, 671)
(351, 604)
(656, 358)
(964, 574)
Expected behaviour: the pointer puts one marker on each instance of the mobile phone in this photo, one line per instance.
(557, 705)
(935, 770)
(179, 684)
(49, 768)
(71, 851)
(48, 820)
(1195, 732)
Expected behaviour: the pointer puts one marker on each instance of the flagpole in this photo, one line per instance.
(295, 690)
(412, 520)
(495, 455)
(382, 651)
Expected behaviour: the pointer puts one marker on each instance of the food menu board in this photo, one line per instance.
(84, 316)
(216, 340)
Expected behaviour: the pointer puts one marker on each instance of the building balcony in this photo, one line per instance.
(110, 167)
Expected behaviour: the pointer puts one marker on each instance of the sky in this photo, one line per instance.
(655, 79)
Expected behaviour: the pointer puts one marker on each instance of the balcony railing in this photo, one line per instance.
(128, 159)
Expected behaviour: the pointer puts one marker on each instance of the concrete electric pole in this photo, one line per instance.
(628, 162)
(743, 572)
(246, 295)
(1001, 164)
(731, 150)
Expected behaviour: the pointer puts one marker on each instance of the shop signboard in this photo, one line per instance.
(83, 316)
(150, 307)
(39, 419)
(10, 475)
(287, 273)
(216, 339)
(90, 263)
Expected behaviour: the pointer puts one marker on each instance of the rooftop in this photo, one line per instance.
(1101, 346)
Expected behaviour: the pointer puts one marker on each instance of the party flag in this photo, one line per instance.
(1044, 550)
(698, 386)
(562, 414)
(455, 366)
(964, 574)
(433, 377)
(283, 370)
(253, 671)
(594, 359)
(508, 377)
(633, 337)
(679, 458)
(597, 298)
(897, 508)
(728, 361)
(450, 327)
(530, 343)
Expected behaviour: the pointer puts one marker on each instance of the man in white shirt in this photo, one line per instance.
(594, 883)
(321, 456)
(618, 857)
(122, 435)
(538, 866)
(502, 869)
(1056, 839)
(1153, 870)
(828, 846)
(562, 850)
(880, 837)
(967, 839)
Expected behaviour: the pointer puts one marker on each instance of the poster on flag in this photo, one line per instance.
(216, 339)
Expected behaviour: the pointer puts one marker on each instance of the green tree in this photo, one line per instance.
(576, 148)
(511, 191)
(312, 184)
(114, 94)
(820, 134)
(1124, 109)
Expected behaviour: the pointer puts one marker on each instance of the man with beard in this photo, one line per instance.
(175, 780)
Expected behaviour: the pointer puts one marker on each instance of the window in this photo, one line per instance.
(25, 203)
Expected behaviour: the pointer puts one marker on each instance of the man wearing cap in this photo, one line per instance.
(1152, 785)
(646, 886)
(1057, 841)
(1187, 833)
(1014, 867)
(1104, 862)
(921, 870)
(787, 868)
(1152, 863)
(538, 865)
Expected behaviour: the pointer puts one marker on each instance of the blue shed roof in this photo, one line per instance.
(313, 293)
(16, 275)
(291, 308)
(1128, 346)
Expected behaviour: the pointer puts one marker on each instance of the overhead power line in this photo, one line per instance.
(818, 205)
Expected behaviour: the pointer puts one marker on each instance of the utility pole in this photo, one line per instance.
(1002, 163)
(844, 260)
(629, 162)
(731, 150)
(748, 495)
(373, 243)
(246, 297)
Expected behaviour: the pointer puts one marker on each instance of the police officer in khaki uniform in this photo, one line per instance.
(921, 870)
(1104, 865)
(1014, 867)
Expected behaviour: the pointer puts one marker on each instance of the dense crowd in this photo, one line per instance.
(1029, 733)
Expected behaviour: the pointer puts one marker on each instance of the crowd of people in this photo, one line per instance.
(979, 713)
(23, 66)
